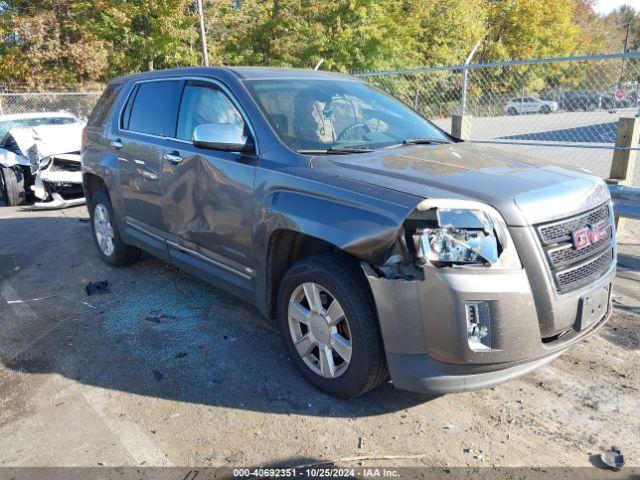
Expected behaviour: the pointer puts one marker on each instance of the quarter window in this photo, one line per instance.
(102, 109)
(202, 104)
(146, 111)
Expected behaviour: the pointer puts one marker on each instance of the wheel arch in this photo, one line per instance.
(292, 225)
(287, 247)
(92, 183)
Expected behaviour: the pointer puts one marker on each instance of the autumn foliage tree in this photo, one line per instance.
(76, 42)
(50, 42)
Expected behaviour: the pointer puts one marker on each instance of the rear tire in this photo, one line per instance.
(12, 186)
(338, 280)
(545, 109)
(106, 236)
(512, 111)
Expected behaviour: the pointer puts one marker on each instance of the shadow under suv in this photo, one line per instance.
(383, 246)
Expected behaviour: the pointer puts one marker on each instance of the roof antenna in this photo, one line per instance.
(320, 62)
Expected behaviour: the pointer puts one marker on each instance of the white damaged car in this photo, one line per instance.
(40, 153)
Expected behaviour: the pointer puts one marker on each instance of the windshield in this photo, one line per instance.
(33, 122)
(323, 115)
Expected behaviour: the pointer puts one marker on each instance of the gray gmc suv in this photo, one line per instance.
(383, 246)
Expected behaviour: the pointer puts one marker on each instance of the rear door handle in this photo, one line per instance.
(117, 143)
(173, 157)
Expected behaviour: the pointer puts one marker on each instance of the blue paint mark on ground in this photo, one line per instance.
(599, 133)
(184, 339)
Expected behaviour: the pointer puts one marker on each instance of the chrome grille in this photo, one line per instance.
(65, 165)
(572, 268)
(567, 254)
(558, 231)
(567, 278)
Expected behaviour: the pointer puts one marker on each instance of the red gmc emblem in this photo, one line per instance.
(585, 236)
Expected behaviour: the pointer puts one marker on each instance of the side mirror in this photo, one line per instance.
(228, 137)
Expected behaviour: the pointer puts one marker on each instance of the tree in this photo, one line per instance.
(348, 34)
(447, 30)
(80, 41)
(529, 28)
(50, 42)
(148, 34)
(617, 23)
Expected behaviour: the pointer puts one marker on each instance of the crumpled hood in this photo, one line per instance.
(523, 189)
(47, 140)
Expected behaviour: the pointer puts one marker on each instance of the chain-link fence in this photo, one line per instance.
(78, 103)
(561, 109)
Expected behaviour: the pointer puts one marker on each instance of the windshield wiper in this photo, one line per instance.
(423, 141)
(336, 150)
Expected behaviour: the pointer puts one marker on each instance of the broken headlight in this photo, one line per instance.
(463, 233)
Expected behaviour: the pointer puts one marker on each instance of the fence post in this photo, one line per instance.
(461, 126)
(465, 75)
(1, 111)
(465, 79)
(624, 161)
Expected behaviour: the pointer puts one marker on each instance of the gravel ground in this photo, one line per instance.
(165, 370)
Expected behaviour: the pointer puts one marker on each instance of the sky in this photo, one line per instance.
(605, 6)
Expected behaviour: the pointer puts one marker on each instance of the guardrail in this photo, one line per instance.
(626, 201)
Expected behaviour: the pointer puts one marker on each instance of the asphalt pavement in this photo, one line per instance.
(165, 370)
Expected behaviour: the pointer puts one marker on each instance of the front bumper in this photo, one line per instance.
(61, 175)
(421, 373)
(424, 328)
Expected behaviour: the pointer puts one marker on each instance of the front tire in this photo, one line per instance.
(329, 326)
(12, 187)
(545, 109)
(111, 248)
(512, 111)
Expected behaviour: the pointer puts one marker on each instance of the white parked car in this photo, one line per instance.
(40, 152)
(520, 105)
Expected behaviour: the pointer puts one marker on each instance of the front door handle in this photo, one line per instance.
(117, 143)
(173, 157)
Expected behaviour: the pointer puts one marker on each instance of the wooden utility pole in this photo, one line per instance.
(624, 50)
(626, 37)
(203, 35)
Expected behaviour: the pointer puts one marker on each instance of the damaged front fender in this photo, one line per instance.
(362, 230)
(9, 159)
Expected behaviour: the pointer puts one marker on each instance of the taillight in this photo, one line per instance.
(84, 137)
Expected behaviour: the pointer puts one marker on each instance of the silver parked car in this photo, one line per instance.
(521, 105)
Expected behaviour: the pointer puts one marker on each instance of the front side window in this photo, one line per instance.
(331, 114)
(146, 111)
(202, 105)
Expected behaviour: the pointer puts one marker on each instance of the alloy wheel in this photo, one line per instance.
(320, 330)
(103, 229)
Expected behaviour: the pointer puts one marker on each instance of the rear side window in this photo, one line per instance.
(100, 112)
(146, 111)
